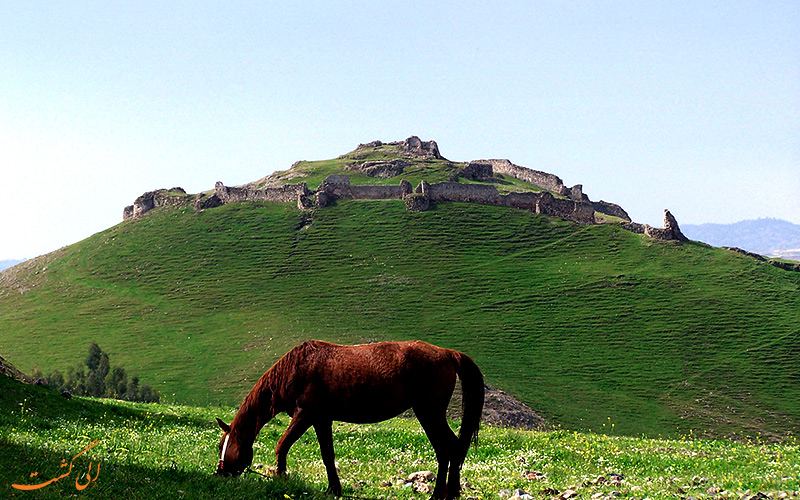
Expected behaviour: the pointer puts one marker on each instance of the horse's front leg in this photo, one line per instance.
(325, 438)
(299, 425)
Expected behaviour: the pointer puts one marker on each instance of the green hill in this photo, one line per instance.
(592, 326)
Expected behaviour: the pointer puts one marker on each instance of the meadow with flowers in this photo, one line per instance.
(166, 451)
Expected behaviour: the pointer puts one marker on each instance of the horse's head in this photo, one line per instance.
(234, 457)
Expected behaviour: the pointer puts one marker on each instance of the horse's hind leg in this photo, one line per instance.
(457, 457)
(445, 444)
(325, 438)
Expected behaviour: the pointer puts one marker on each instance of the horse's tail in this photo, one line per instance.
(472, 398)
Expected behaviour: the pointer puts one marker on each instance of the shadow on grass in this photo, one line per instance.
(18, 462)
(42, 403)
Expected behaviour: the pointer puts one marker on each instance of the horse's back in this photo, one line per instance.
(402, 360)
(371, 382)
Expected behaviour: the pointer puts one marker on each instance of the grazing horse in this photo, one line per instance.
(318, 382)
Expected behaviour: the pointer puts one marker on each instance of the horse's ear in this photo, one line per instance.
(222, 425)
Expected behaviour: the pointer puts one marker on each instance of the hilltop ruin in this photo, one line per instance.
(555, 198)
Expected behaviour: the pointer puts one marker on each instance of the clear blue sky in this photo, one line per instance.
(692, 106)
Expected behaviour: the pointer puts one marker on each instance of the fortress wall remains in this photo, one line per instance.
(339, 187)
(285, 193)
(544, 180)
(550, 182)
(612, 209)
(544, 202)
(670, 231)
(152, 199)
(454, 191)
(526, 201)
(336, 186)
(577, 211)
(584, 212)
(377, 192)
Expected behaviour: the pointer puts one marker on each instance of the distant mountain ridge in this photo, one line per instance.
(771, 237)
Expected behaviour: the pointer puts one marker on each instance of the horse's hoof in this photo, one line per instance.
(336, 492)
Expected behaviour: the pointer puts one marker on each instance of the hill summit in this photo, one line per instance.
(378, 170)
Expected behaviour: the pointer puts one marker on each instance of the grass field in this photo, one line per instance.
(589, 325)
(159, 451)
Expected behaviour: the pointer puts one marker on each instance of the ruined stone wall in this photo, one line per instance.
(577, 211)
(153, 199)
(611, 209)
(413, 147)
(377, 192)
(225, 194)
(525, 201)
(550, 182)
(544, 202)
(455, 191)
(338, 186)
(284, 193)
(670, 231)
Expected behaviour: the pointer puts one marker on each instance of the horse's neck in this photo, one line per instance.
(255, 412)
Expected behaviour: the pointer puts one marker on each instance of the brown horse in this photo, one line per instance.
(318, 382)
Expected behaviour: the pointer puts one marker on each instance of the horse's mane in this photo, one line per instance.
(255, 410)
(278, 377)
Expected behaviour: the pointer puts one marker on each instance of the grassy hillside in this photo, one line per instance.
(169, 451)
(592, 326)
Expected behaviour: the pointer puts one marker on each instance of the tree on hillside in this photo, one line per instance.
(95, 353)
(101, 381)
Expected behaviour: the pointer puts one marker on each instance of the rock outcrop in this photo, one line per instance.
(413, 147)
(417, 202)
(152, 199)
(416, 148)
(670, 231)
(501, 409)
(671, 225)
(9, 370)
(380, 169)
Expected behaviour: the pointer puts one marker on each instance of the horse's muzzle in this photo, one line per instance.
(226, 473)
(220, 471)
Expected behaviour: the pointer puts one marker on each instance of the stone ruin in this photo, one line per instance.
(787, 266)
(476, 171)
(152, 199)
(413, 147)
(550, 182)
(556, 199)
(670, 231)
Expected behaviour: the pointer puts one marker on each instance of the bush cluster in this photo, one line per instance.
(95, 377)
